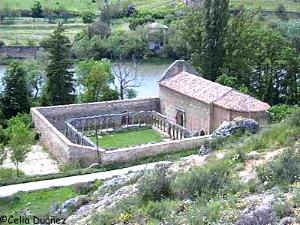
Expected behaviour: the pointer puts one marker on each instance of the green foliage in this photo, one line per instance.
(291, 29)
(3, 154)
(37, 10)
(88, 17)
(95, 78)
(59, 88)
(212, 52)
(155, 185)
(206, 181)
(40, 201)
(15, 96)
(7, 174)
(20, 140)
(283, 170)
(280, 112)
(2, 43)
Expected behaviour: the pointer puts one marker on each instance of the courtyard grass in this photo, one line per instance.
(128, 138)
(37, 202)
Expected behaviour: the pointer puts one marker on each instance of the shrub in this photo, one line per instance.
(155, 185)
(285, 169)
(204, 181)
(280, 112)
(37, 10)
(88, 17)
(2, 43)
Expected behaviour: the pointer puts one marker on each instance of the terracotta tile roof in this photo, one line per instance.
(210, 92)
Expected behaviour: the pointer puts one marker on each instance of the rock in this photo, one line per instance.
(114, 183)
(253, 155)
(205, 149)
(70, 206)
(94, 166)
(287, 221)
(25, 212)
(261, 215)
(238, 124)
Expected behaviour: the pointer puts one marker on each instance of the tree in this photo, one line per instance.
(3, 154)
(95, 78)
(59, 88)
(35, 77)
(213, 50)
(37, 10)
(15, 96)
(126, 80)
(20, 140)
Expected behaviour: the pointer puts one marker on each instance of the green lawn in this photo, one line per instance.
(37, 202)
(128, 138)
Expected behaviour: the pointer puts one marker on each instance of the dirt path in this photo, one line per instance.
(37, 162)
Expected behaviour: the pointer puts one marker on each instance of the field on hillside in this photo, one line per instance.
(29, 31)
(78, 5)
(290, 5)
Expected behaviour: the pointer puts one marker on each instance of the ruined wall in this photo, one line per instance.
(197, 112)
(57, 115)
(19, 51)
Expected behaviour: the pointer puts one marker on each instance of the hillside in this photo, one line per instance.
(93, 5)
(243, 179)
(247, 180)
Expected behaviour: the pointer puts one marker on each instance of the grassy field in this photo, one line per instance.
(290, 5)
(93, 5)
(37, 202)
(79, 5)
(29, 31)
(128, 138)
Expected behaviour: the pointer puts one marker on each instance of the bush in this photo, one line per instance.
(87, 188)
(37, 10)
(204, 181)
(155, 185)
(2, 43)
(285, 169)
(280, 112)
(88, 17)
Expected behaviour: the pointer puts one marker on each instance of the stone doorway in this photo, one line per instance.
(180, 117)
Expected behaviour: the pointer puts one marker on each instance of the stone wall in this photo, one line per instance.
(57, 115)
(19, 51)
(197, 113)
(67, 152)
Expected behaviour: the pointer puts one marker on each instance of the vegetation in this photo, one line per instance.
(128, 138)
(59, 89)
(212, 193)
(15, 96)
(95, 78)
(37, 202)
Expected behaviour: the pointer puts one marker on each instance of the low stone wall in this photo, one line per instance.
(19, 51)
(58, 115)
(139, 152)
(66, 152)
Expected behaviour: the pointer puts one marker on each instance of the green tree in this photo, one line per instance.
(3, 154)
(213, 45)
(37, 10)
(15, 96)
(20, 140)
(59, 88)
(95, 78)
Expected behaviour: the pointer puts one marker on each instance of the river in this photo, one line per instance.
(148, 75)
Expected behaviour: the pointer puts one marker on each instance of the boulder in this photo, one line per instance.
(70, 206)
(260, 215)
(288, 221)
(238, 124)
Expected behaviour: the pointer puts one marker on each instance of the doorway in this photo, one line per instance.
(180, 117)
